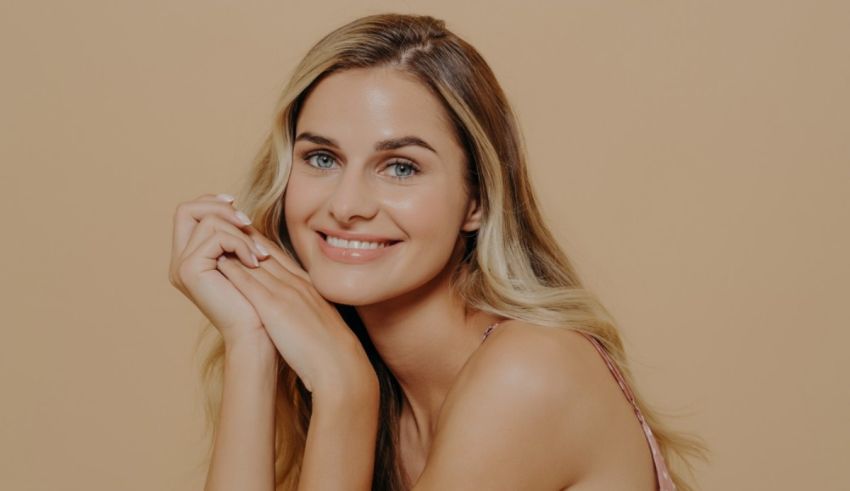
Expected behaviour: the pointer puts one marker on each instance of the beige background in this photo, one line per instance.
(692, 157)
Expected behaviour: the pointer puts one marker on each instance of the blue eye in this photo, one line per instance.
(403, 164)
(307, 159)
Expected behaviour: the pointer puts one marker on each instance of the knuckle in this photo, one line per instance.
(179, 285)
(231, 240)
(217, 222)
(182, 271)
(208, 220)
(172, 277)
(180, 210)
(211, 223)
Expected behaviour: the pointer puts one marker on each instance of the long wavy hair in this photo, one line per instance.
(512, 266)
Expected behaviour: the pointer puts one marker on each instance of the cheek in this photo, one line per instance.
(302, 197)
(432, 214)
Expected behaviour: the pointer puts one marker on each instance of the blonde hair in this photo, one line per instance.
(512, 266)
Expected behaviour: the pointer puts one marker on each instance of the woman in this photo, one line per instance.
(392, 231)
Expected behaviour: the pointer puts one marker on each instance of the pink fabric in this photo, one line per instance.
(665, 482)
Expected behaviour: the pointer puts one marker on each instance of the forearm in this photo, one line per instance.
(243, 451)
(340, 452)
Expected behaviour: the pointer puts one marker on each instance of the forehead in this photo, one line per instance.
(370, 104)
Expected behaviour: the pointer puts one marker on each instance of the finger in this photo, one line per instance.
(189, 213)
(254, 290)
(227, 198)
(283, 258)
(274, 276)
(273, 267)
(221, 242)
(211, 224)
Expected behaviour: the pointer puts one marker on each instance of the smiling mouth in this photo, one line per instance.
(356, 245)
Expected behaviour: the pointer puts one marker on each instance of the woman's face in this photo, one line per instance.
(345, 182)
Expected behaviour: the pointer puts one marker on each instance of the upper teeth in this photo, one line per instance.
(354, 244)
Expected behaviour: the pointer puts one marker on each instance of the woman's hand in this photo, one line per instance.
(205, 229)
(307, 330)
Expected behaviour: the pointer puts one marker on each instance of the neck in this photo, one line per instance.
(425, 337)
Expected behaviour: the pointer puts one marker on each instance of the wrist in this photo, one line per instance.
(357, 388)
(349, 375)
(251, 346)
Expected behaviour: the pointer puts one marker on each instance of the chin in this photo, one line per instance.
(354, 296)
(359, 288)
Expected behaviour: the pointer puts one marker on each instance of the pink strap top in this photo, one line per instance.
(665, 482)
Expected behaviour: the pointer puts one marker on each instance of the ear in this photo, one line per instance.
(472, 222)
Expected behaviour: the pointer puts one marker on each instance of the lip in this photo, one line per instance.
(354, 256)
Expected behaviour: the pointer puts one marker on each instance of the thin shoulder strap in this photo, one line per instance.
(665, 482)
(489, 330)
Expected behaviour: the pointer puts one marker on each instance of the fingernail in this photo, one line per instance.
(225, 197)
(254, 259)
(243, 217)
(261, 248)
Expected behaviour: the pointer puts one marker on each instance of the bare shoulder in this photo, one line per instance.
(532, 360)
(530, 410)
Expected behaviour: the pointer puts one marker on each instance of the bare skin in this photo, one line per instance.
(412, 317)
(530, 408)
(260, 307)
(415, 322)
(535, 408)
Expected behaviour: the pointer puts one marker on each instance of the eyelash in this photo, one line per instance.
(408, 163)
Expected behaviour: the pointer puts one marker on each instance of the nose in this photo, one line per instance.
(352, 197)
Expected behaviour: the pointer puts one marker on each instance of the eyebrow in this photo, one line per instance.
(390, 144)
